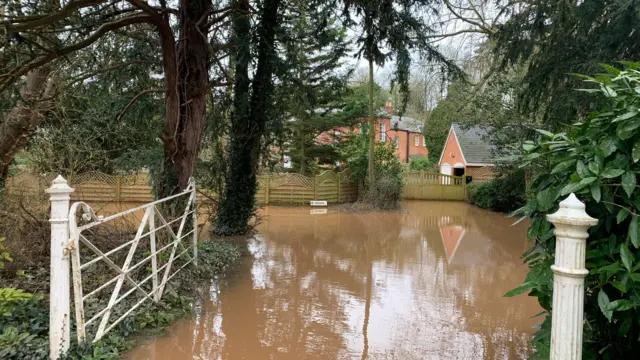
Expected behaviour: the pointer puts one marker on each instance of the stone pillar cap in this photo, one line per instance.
(572, 212)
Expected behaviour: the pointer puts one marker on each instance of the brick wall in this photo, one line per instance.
(451, 153)
(481, 173)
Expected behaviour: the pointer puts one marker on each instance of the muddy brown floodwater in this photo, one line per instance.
(424, 284)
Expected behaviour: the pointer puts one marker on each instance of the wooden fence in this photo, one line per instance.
(92, 186)
(96, 187)
(284, 188)
(424, 185)
(289, 188)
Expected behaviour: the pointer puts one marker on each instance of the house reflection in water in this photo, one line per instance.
(424, 284)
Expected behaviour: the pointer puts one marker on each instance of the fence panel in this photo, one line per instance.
(327, 186)
(433, 186)
(289, 188)
(101, 189)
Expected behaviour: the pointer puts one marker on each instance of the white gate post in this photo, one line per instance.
(195, 222)
(571, 223)
(59, 320)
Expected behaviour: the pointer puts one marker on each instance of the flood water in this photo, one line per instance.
(424, 284)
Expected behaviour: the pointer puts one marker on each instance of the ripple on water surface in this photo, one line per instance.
(424, 284)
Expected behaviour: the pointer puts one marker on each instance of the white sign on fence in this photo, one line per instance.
(318, 203)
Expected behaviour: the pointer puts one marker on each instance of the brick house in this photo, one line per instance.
(466, 152)
(405, 133)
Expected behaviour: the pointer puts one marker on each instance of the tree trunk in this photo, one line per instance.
(36, 98)
(236, 203)
(186, 78)
(372, 126)
(303, 160)
(249, 119)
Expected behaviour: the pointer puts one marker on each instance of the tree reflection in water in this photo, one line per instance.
(425, 284)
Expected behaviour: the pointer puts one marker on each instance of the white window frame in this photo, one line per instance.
(416, 141)
(424, 142)
(396, 142)
(383, 132)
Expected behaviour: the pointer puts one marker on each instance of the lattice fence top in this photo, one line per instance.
(327, 177)
(125, 180)
(292, 179)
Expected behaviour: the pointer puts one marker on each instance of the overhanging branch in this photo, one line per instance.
(135, 100)
(89, 74)
(12, 76)
(30, 23)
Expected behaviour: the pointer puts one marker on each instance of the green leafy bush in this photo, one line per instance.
(24, 319)
(386, 191)
(421, 164)
(10, 299)
(598, 160)
(504, 194)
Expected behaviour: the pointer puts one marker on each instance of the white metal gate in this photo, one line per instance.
(155, 254)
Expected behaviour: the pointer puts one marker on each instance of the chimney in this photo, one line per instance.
(388, 107)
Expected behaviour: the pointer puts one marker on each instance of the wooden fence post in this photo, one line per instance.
(421, 184)
(59, 284)
(118, 188)
(338, 182)
(315, 188)
(266, 189)
(567, 319)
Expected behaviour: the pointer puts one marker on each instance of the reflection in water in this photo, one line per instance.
(426, 284)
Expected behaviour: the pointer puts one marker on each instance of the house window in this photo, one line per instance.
(416, 141)
(395, 142)
(383, 132)
(336, 136)
(424, 142)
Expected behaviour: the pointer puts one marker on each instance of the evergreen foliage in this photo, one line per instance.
(80, 133)
(557, 38)
(597, 159)
(313, 91)
(394, 25)
(421, 164)
(504, 194)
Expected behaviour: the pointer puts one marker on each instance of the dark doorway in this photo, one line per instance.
(458, 171)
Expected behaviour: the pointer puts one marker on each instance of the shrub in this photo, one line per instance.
(504, 194)
(421, 164)
(598, 161)
(385, 193)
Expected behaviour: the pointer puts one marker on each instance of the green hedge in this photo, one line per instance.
(504, 194)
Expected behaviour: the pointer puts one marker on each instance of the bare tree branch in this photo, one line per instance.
(455, 33)
(136, 98)
(144, 6)
(466, 19)
(89, 74)
(31, 23)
